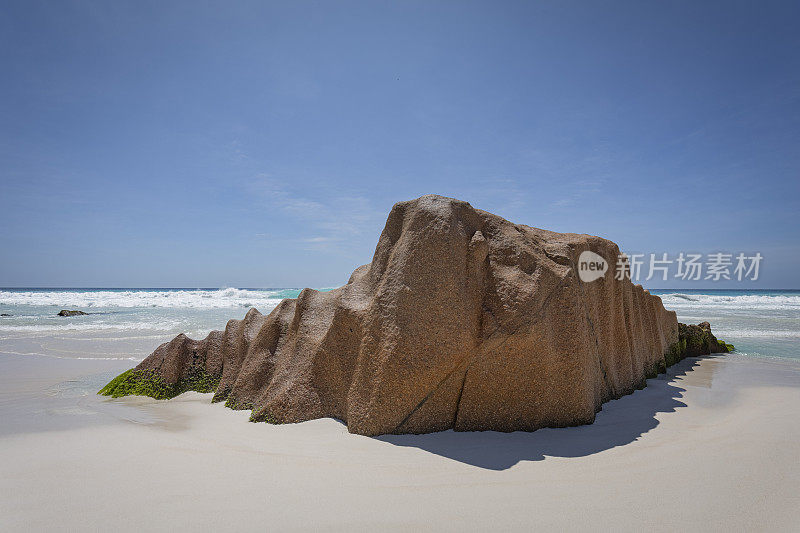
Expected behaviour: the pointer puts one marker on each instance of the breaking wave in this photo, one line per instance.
(732, 302)
(93, 326)
(166, 298)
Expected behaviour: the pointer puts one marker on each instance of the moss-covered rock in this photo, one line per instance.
(264, 416)
(728, 347)
(221, 395)
(149, 383)
(675, 353)
(236, 405)
(138, 382)
(699, 340)
(693, 341)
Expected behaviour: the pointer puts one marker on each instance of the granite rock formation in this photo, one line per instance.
(462, 320)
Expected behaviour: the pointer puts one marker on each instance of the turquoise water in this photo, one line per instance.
(130, 323)
(761, 323)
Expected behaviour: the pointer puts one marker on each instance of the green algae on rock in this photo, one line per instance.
(693, 341)
(150, 383)
(698, 340)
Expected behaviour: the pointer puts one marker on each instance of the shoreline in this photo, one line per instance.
(727, 426)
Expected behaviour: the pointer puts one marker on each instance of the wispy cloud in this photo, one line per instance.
(333, 222)
(580, 190)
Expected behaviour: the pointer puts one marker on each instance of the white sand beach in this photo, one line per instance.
(714, 445)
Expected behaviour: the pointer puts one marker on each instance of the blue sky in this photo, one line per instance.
(262, 144)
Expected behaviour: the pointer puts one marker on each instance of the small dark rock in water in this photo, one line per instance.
(5, 314)
(65, 312)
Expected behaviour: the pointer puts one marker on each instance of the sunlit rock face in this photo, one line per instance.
(463, 320)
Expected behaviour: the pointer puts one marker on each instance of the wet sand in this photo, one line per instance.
(714, 445)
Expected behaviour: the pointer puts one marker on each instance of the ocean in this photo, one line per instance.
(759, 323)
(127, 324)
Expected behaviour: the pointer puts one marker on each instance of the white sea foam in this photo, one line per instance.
(124, 326)
(80, 358)
(743, 302)
(756, 333)
(190, 299)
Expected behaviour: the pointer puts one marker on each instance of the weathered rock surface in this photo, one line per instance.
(66, 312)
(462, 320)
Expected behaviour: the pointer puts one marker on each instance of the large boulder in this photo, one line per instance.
(462, 320)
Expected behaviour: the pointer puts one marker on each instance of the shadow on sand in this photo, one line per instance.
(620, 422)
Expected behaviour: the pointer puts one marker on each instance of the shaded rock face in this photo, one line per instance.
(66, 312)
(462, 320)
